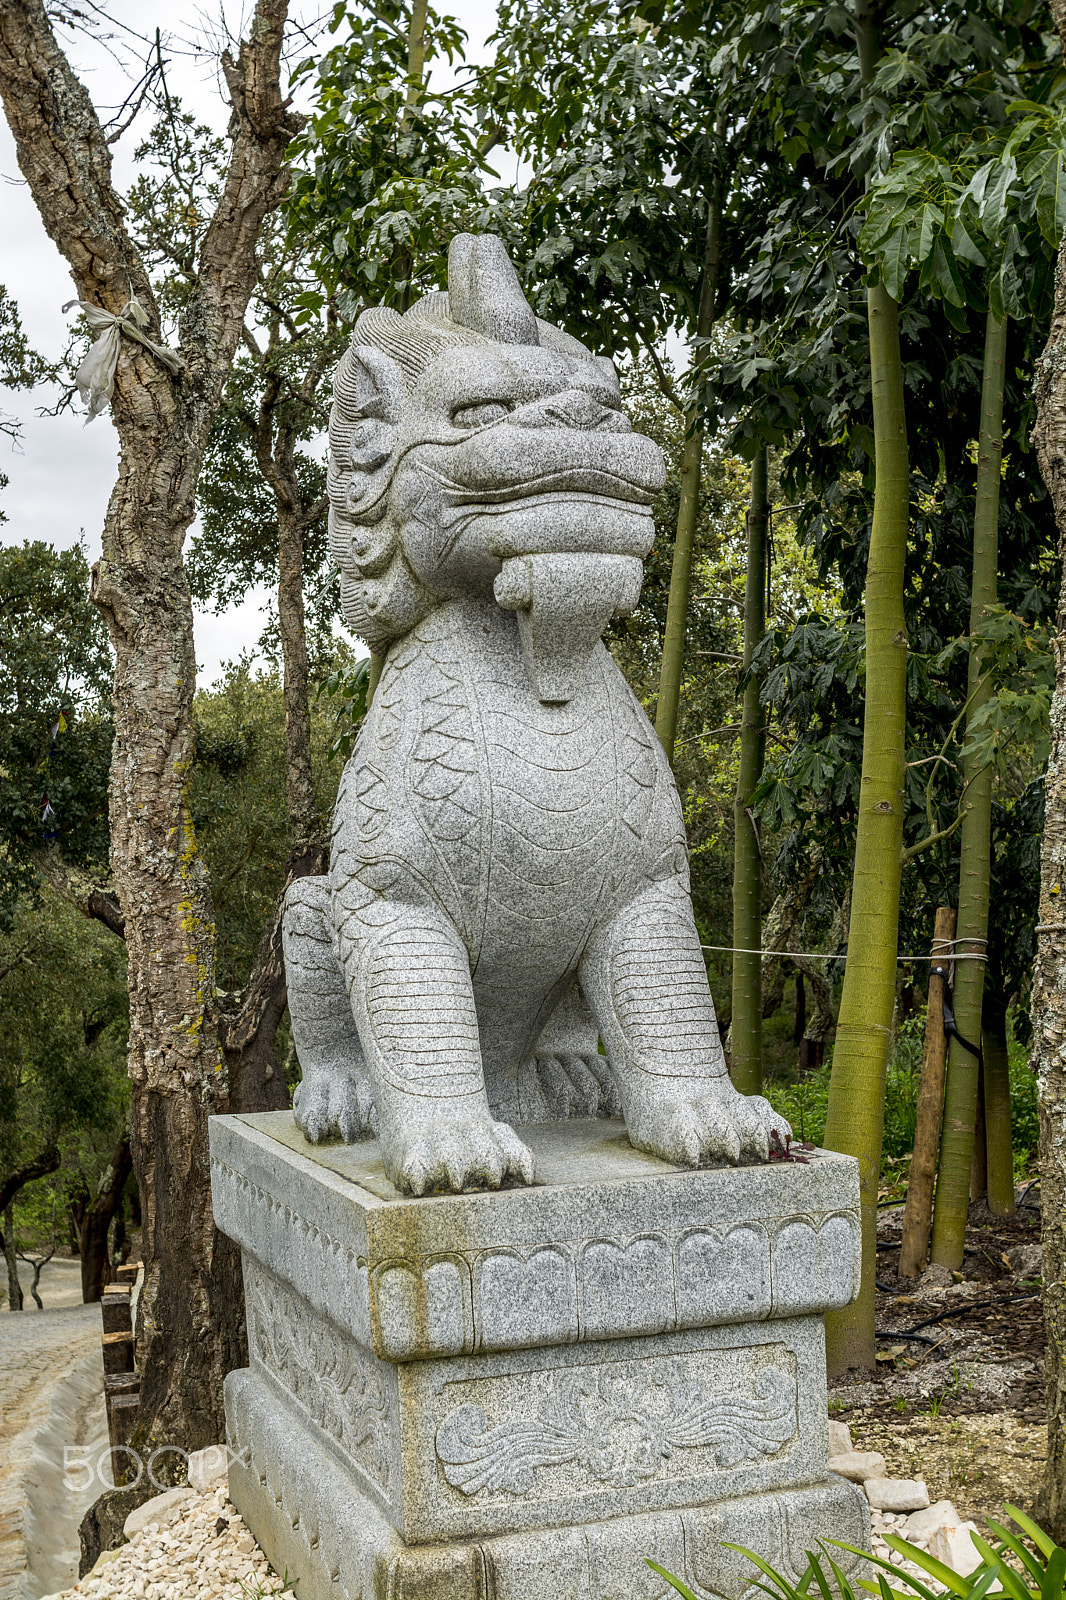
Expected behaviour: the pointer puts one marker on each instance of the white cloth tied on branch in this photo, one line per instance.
(95, 377)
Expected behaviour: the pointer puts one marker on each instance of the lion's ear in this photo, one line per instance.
(369, 399)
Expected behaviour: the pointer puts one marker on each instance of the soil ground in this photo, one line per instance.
(965, 1411)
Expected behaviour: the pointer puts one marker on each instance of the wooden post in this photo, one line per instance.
(918, 1212)
(122, 1386)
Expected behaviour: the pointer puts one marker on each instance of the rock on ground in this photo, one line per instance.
(858, 1465)
(896, 1494)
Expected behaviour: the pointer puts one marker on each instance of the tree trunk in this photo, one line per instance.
(190, 1316)
(673, 661)
(247, 1033)
(745, 1028)
(998, 1143)
(1049, 974)
(299, 781)
(953, 1186)
(95, 1223)
(979, 1158)
(14, 1288)
(918, 1211)
(856, 1113)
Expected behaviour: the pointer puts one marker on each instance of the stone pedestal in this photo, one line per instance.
(520, 1395)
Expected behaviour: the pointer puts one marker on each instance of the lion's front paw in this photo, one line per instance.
(335, 1104)
(578, 1085)
(716, 1124)
(454, 1153)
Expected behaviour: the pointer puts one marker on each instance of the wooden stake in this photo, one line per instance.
(918, 1212)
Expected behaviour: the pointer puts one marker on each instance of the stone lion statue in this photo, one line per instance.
(509, 879)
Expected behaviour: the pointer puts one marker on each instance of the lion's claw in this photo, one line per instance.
(458, 1153)
(335, 1104)
(717, 1124)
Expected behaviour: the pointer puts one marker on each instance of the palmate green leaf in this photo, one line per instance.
(1047, 175)
(946, 274)
(895, 262)
(930, 221)
(963, 245)
(992, 207)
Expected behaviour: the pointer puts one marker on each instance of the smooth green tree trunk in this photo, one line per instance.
(998, 1142)
(746, 1026)
(960, 1098)
(855, 1121)
(673, 660)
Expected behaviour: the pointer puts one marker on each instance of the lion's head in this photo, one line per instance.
(476, 450)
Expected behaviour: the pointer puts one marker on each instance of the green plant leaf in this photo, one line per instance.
(1043, 1541)
(936, 1569)
(1047, 176)
(962, 243)
(675, 1583)
(1051, 1588)
(913, 1583)
(930, 221)
(1026, 1557)
(895, 261)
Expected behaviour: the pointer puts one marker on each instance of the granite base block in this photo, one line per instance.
(519, 1439)
(307, 1514)
(521, 1395)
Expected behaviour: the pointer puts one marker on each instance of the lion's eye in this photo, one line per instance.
(476, 416)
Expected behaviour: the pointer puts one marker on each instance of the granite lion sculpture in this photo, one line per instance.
(509, 877)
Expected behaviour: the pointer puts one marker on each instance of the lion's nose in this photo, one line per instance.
(574, 408)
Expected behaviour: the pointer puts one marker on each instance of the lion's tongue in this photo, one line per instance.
(563, 604)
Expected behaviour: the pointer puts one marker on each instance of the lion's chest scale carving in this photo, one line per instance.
(517, 801)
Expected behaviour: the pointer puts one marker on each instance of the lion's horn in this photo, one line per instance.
(484, 293)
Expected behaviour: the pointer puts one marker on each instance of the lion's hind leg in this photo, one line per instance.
(334, 1097)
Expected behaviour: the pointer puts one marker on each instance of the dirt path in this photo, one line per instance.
(51, 1399)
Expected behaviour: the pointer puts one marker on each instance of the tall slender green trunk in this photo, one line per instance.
(746, 1025)
(673, 661)
(960, 1099)
(999, 1146)
(856, 1115)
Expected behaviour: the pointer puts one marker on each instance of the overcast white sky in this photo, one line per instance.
(62, 472)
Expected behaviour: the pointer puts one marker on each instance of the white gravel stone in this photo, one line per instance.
(162, 1510)
(920, 1526)
(896, 1494)
(840, 1439)
(187, 1562)
(858, 1465)
(208, 1467)
(954, 1547)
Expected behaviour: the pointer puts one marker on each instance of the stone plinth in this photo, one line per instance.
(502, 1396)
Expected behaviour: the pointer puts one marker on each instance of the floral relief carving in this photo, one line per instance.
(619, 1427)
(338, 1383)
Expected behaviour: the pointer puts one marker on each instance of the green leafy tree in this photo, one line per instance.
(55, 728)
